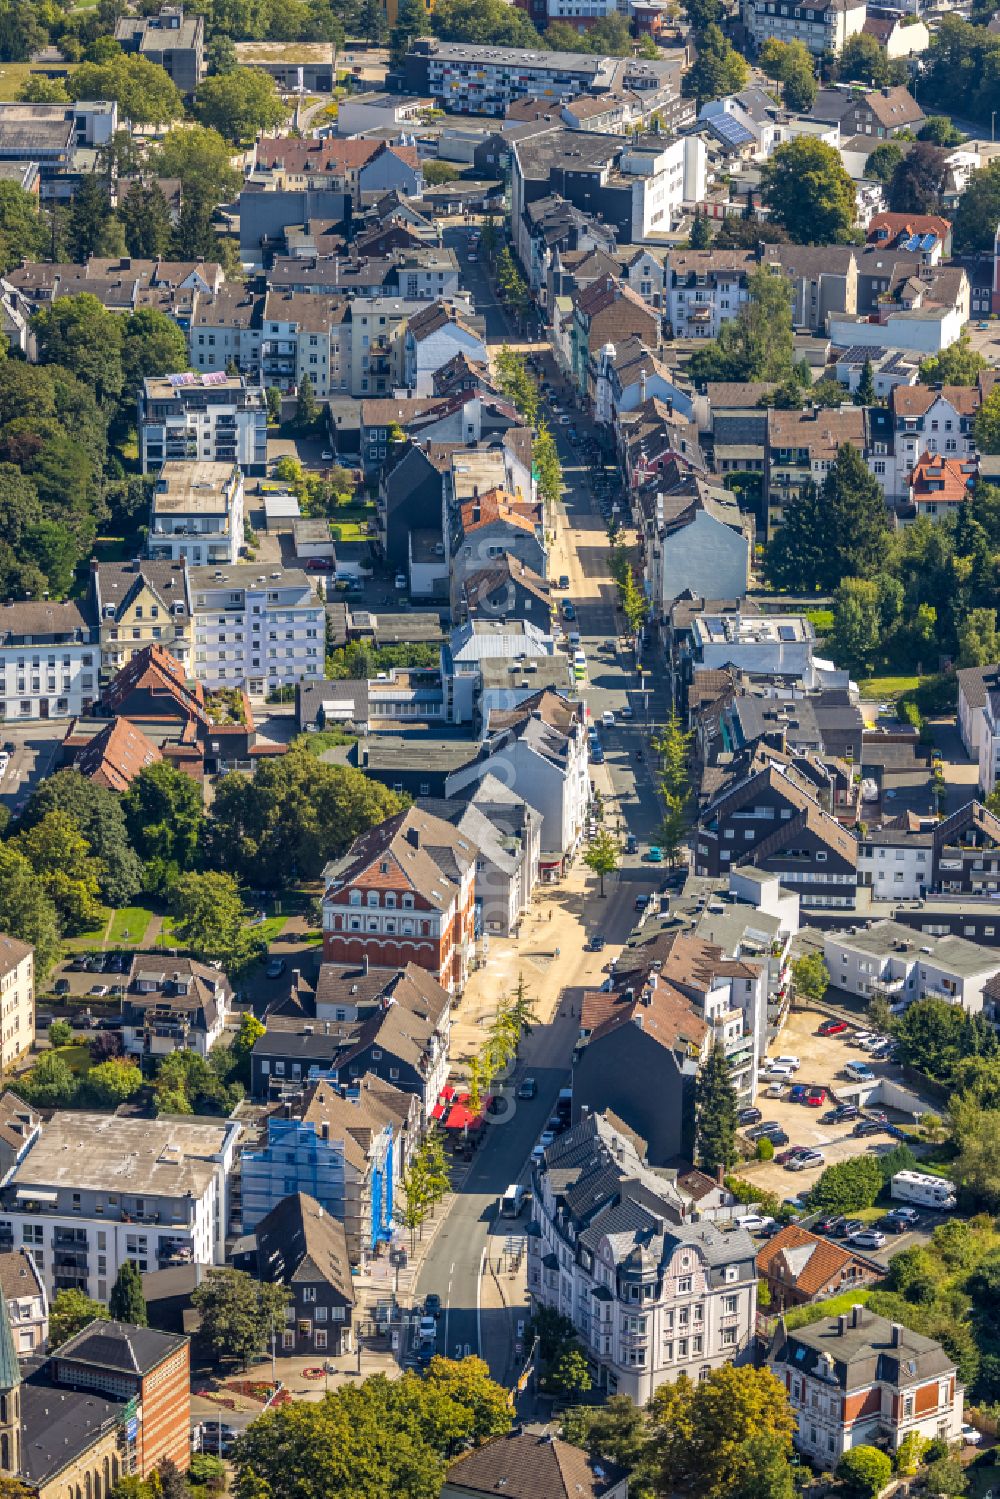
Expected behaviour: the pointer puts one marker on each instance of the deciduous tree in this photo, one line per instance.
(811, 977)
(718, 69)
(603, 855)
(239, 1315)
(864, 1471)
(210, 919)
(239, 105)
(70, 1312)
(919, 182)
(701, 1431)
(808, 191)
(958, 364)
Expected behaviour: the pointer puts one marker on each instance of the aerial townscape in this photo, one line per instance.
(499, 749)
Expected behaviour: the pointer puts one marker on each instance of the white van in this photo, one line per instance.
(925, 1190)
(512, 1201)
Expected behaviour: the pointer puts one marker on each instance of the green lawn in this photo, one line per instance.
(166, 937)
(129, 926)
(76, 1056)
(888, 687)
(821, 620)
(85, 941)
(802, 1316)
(13, 75)
(349, 531)
(270, 928)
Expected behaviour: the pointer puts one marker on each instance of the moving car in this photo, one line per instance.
(528, 1088)
(432, 1305)
(596, 943)
(655, 855)
(832, 1028)
(631, 844)
(428, 1330)
(568, 610)
(563, 580)
(641, 902)
(608, 718)
(275, 968)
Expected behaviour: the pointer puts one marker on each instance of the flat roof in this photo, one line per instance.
(183, 487)
(163, 1157)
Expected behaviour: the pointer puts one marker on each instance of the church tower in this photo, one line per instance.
(10, 1397)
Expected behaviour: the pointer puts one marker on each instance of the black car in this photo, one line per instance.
(749, 1116)
(432, 1304)
(770, 1128)
(596, 944)
(868, 1127)
(841, 1114)
(61, 986)
(848, 1226)
(829, 1224)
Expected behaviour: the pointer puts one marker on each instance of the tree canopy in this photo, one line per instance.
(143, 90)
(808, 191)
(240, 104)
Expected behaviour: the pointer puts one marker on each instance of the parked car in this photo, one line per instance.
(860, 1072)
(748, 1116)
(807, 1161)
(754, 1223)
(841, 1114)
(901, 1220)
(832, 1028)
(547, 1138)
(798, 1093)
(784, 1156)
(779, 1070)
(275, 968)
(99, 990)
(816, 1098)
(769, 1127)
(608, 718)
(61, 986)
(868, 1127)
(792, 1063)
(867, 1238)
(970, 1436)
(849, 1226)
(631, 844)
(828, 1224)
(563, 580)
(569, 612)
(641, 902)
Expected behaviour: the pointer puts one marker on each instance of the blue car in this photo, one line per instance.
(799, 1093)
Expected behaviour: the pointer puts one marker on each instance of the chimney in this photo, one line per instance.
(720, 1176)
(857, 1315)
(324, 1130)
(413, 837)
(842, 1323)
(296, 977)
(364, 963)
(897, 1335)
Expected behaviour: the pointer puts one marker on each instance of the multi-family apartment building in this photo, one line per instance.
(902, 965)
(979, 720)
(404, 893)
(227, 328)
(650, 1294)
(176, 1005)
(858, 1380)
(822, 25)
(49, 659)
(214, 417)
(801, 446)
(27, 1303)
(196, 513)
(139, 604)
(250, 626)
(17, 999)
(93, 1191)
(705, 288)
(912, 856)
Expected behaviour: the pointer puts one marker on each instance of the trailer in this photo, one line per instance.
(924, 1190)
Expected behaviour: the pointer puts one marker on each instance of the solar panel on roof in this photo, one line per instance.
(928, 242)
(913, 243)
(731, 131)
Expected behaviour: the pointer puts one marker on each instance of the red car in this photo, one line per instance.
(832, 1028)
(784, 1156)
(816, 1097)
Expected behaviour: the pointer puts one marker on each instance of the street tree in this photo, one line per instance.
(672, 749)
(811, 978)
(239, 1314)
(673, 827)
(550, 474)
(69, 1313)
(603, 855)
(808, 191)
(715, 1113)
(413, 1210)
(700, 1431)
(522, 1008)
(127, 1303)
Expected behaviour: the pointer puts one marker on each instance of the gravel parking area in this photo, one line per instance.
(822, 1058)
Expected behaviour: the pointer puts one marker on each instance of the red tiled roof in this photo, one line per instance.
(116, 755)
(941, 481)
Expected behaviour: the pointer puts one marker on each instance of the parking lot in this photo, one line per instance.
(822, 1059)
(33, 757)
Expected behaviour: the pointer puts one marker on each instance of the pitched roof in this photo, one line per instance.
(120, 1345)
(941, 481)
(889, 226)
(410, 851)
(810, 1261)
(822, 430)
(119, 583)
(527, 1465)
(18, 1275)
(298, 1240)
(496, 505)
(660, 1011)
(156, 671)
(116, 755)
(501, 572)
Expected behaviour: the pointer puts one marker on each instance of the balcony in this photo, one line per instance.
(69, 1238)
(174, 1252)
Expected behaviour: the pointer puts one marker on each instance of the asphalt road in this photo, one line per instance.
(454, 1263)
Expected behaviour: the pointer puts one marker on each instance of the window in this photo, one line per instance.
(308, 1293)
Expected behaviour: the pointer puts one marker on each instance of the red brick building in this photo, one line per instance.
(404, 893)
(859, 1380)
(800, 1267)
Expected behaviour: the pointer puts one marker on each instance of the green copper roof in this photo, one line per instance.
(10, 1370)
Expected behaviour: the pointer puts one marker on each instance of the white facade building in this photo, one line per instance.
(905, 965)
(254, 628)
(197, 513)
(17, 999)
(94, 1191)
(823, 25)
(650, 1295)
(216, 418)
(49, 660)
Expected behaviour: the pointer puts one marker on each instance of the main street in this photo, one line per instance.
(453, 1265)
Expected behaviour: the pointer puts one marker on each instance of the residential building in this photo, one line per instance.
(49, 660)
(798, 1267)
(249, 626)
(469, 78)
(649, 1294)
(177, 1005)
(979, 720)
(925, 234)
(823, 279)
(606, 310)
(902, 965)
(539, 750)
(364, 170)
(508, 840)
(858, 1380)
(706, 288)
(506, 588)
(227, 328)
(172, 40)
(27, 1303)
(772, 817)
(139, 604)
(17, 999)
(361, 1021)
(932, 420)
(214, 417)
(196, 515)
(346, 1150)
(530, 1465)
(802, 445)
(19, 1128)
(822, 25)
(94, 1190)
(496, 524)
(939, 485)
(774, 645)
(116, 755)
(694, 536)
(898, 35)
(404, 892)
(879, 112)
(300, 1245)
(432, 339)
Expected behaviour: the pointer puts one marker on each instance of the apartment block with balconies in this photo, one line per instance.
(196, 514)
(214, 417)
(256, 629)
(896, 963)
(651, 1294)
(93, 1191)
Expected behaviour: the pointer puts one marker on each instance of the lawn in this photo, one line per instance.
(85, 941)
(270, 928)
(129, 926)
(802, 1316)
(76, 1056)
(349, 531)
(167, 937)
(984, 1478)
(821, 620)
(888, 687)
(13, 75)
